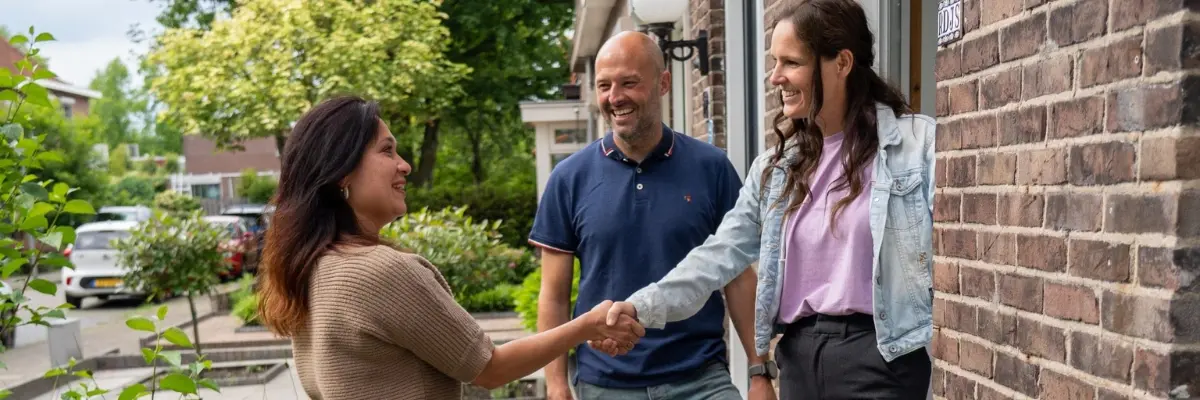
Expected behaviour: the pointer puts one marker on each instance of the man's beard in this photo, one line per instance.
(639, 132)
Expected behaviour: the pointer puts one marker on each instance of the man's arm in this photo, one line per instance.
(554, 305)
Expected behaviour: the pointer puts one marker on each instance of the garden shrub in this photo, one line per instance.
(499, 298)
(245, 309)
(514, 205)
(526, 298)
(468, 253)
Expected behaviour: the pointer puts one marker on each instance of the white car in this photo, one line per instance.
(96, 273)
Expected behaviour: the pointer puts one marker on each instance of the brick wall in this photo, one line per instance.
(1068, 207)
(709, 15)
(772, 103)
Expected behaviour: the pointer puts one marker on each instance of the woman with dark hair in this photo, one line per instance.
(368, 321)
(838, 216)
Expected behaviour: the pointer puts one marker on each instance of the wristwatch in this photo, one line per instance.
(767, 369)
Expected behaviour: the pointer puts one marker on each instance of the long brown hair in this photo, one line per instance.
(311, 215)
(827, 27)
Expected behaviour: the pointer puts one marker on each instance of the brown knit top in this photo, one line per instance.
(384, 325)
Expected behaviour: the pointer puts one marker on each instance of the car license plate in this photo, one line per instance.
(107, 282)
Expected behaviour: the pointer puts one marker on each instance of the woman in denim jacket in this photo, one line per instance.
(839, 216)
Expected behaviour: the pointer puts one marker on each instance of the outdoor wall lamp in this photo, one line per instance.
(659, 17)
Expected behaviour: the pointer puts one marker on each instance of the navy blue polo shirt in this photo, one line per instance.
(629, 224)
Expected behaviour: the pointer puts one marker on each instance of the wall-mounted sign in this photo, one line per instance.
(950, 16)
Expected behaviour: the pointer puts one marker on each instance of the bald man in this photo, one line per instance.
(629, 207)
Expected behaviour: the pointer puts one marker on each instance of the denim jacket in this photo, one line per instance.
(901, 219)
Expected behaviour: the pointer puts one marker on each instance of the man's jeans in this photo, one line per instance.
(713, 382)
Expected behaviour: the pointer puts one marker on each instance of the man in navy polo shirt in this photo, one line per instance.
(630, 207)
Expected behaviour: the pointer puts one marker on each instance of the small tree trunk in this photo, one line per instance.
(280, 139)
(423, 176)
(195, 324)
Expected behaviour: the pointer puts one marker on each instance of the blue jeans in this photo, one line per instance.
(712, 382)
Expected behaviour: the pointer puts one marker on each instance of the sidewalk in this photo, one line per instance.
(33, 360)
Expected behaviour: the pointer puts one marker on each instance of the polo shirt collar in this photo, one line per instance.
(664, 149)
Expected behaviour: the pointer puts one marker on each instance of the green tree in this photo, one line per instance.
(174, 253)
(254, 74)
(118, 160)
(254, 188)
(175, 203)
(119, 105)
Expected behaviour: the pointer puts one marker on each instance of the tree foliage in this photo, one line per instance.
(254, 188)
(120, 103)
(255, 73)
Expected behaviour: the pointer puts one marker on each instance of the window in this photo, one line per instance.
(556, 158)
(98, 240)
(570, 136)
(212, 191)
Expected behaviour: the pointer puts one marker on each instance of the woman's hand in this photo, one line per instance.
(621, 336)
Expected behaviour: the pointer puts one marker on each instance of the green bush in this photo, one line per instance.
(499, 298)
(514, 205)
(469, 254)
(246, 309)
(526, 298)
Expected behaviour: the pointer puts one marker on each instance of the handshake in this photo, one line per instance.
(615, 329)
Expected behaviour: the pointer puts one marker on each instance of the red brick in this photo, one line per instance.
(1144, 107)
(1140, 213)
(1017, 374)
(971, 15)
(1106, 394)
(1136, 316)
(1152, 372)
(947, 207)
(979, 208)
(1173, 158)
(978, 132)
(959, 387)
(1078, 22)
(998, 248)
(997, 327)
(1169, 268)
(978, 283)
(997, 169)
(958, 243)
(1000, 89)
(996, 10)
(945, 277)
(1138, 12)
(1046, 253)
(1100, 260)
(1103, 358)
(1021, 209)
(964, 97)
(1041, 340)
(1042, 167)
(942, 102)
(960, 317)
(948, 64)
(949, 137)
(1074, 211)
(1056, 386)
(1166, 49)
(939, 380)
(1077, 117)
(1075, 303)
(1103, 163)
(944, 347)
(1111, 63)
(975, 358)
(980, 53)
(1026, 125)
(1048, 77)
(961, 171)
(1023, 38)
(987, 393)
(1022, 292)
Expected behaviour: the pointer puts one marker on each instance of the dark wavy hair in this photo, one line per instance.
(827, 27)
(311, 215)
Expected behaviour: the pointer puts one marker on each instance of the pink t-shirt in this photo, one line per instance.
(828, 272)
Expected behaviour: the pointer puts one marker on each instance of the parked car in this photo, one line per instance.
(94, 255)
(257, 217)
(123, 213)
(8, 338)
(237, 244)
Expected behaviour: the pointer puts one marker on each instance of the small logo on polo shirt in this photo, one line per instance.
(688, 198)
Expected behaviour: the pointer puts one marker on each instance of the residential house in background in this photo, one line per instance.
(1066, 215)
(73, 99)
(212, 175)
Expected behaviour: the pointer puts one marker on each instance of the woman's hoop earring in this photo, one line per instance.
(346, 192)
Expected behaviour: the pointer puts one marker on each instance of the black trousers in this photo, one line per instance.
(825, 357)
